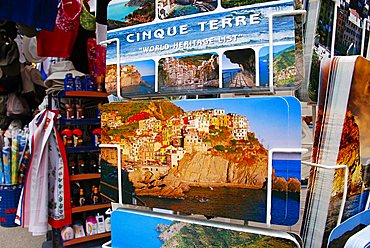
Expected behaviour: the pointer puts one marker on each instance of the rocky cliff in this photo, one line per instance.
(246, 168)
(349, 154)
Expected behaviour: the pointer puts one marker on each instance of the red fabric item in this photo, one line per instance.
(68, 15)
(56, 44)
(67, 194)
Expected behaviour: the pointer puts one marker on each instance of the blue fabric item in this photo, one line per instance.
(34, 13)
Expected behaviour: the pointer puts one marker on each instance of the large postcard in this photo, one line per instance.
(341, 138)
(199, 47)
(345, 233)
(206, 156)
(161, 231)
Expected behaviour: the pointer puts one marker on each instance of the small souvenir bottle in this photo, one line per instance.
(82, 199)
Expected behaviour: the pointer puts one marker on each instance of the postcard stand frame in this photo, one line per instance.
(262, 231)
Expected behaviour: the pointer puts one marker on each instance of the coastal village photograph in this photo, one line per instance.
(163, 233)
(189, 72)
(175, 8)
(136, 77)
(124, 13)
(194, 159)
(239, 68)
(285, 66)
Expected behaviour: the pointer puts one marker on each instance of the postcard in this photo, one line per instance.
(345, 231)
(161, 230)
(205, 156)
(197, 48)
(341, 138)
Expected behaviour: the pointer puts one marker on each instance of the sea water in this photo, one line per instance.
(119, 11)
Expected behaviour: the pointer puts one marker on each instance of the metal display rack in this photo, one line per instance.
(267, 230)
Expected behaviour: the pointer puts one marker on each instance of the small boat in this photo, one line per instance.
(203, 199)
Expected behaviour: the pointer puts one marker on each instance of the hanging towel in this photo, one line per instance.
(46, 197)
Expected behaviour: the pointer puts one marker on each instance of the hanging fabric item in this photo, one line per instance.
(87, 20)
(68, 15)
(34, 13)
(46, 198)
(60, 42)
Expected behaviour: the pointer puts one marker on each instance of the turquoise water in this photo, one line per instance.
(119, 11)
(183, 10)
(130, 230)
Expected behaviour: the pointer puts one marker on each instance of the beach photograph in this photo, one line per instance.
(175, 8)
(189, 72)
(124, 13)
(136, 77)
(205, 157)
(239, 68)
(163, 233)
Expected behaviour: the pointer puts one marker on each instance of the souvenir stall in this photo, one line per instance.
(226, 123)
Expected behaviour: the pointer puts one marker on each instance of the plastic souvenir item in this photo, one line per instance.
(91, 226)
(79, 84)
(67, 233)
(79, 230)
(77, 137)
(89, 84)
(107, 224)
(69, 82)
(100, 223)
(96, 136)
(67, 137)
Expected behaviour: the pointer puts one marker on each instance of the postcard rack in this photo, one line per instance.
(271, 89)
(266, 230)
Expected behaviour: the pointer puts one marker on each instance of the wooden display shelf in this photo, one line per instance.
(86, 239)
(90, 208)
(86, 176)
(92, 94)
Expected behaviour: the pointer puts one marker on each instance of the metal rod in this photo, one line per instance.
(119, 168)
(335, 167)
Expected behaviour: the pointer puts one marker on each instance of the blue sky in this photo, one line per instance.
(145, 67)
(269, 117)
